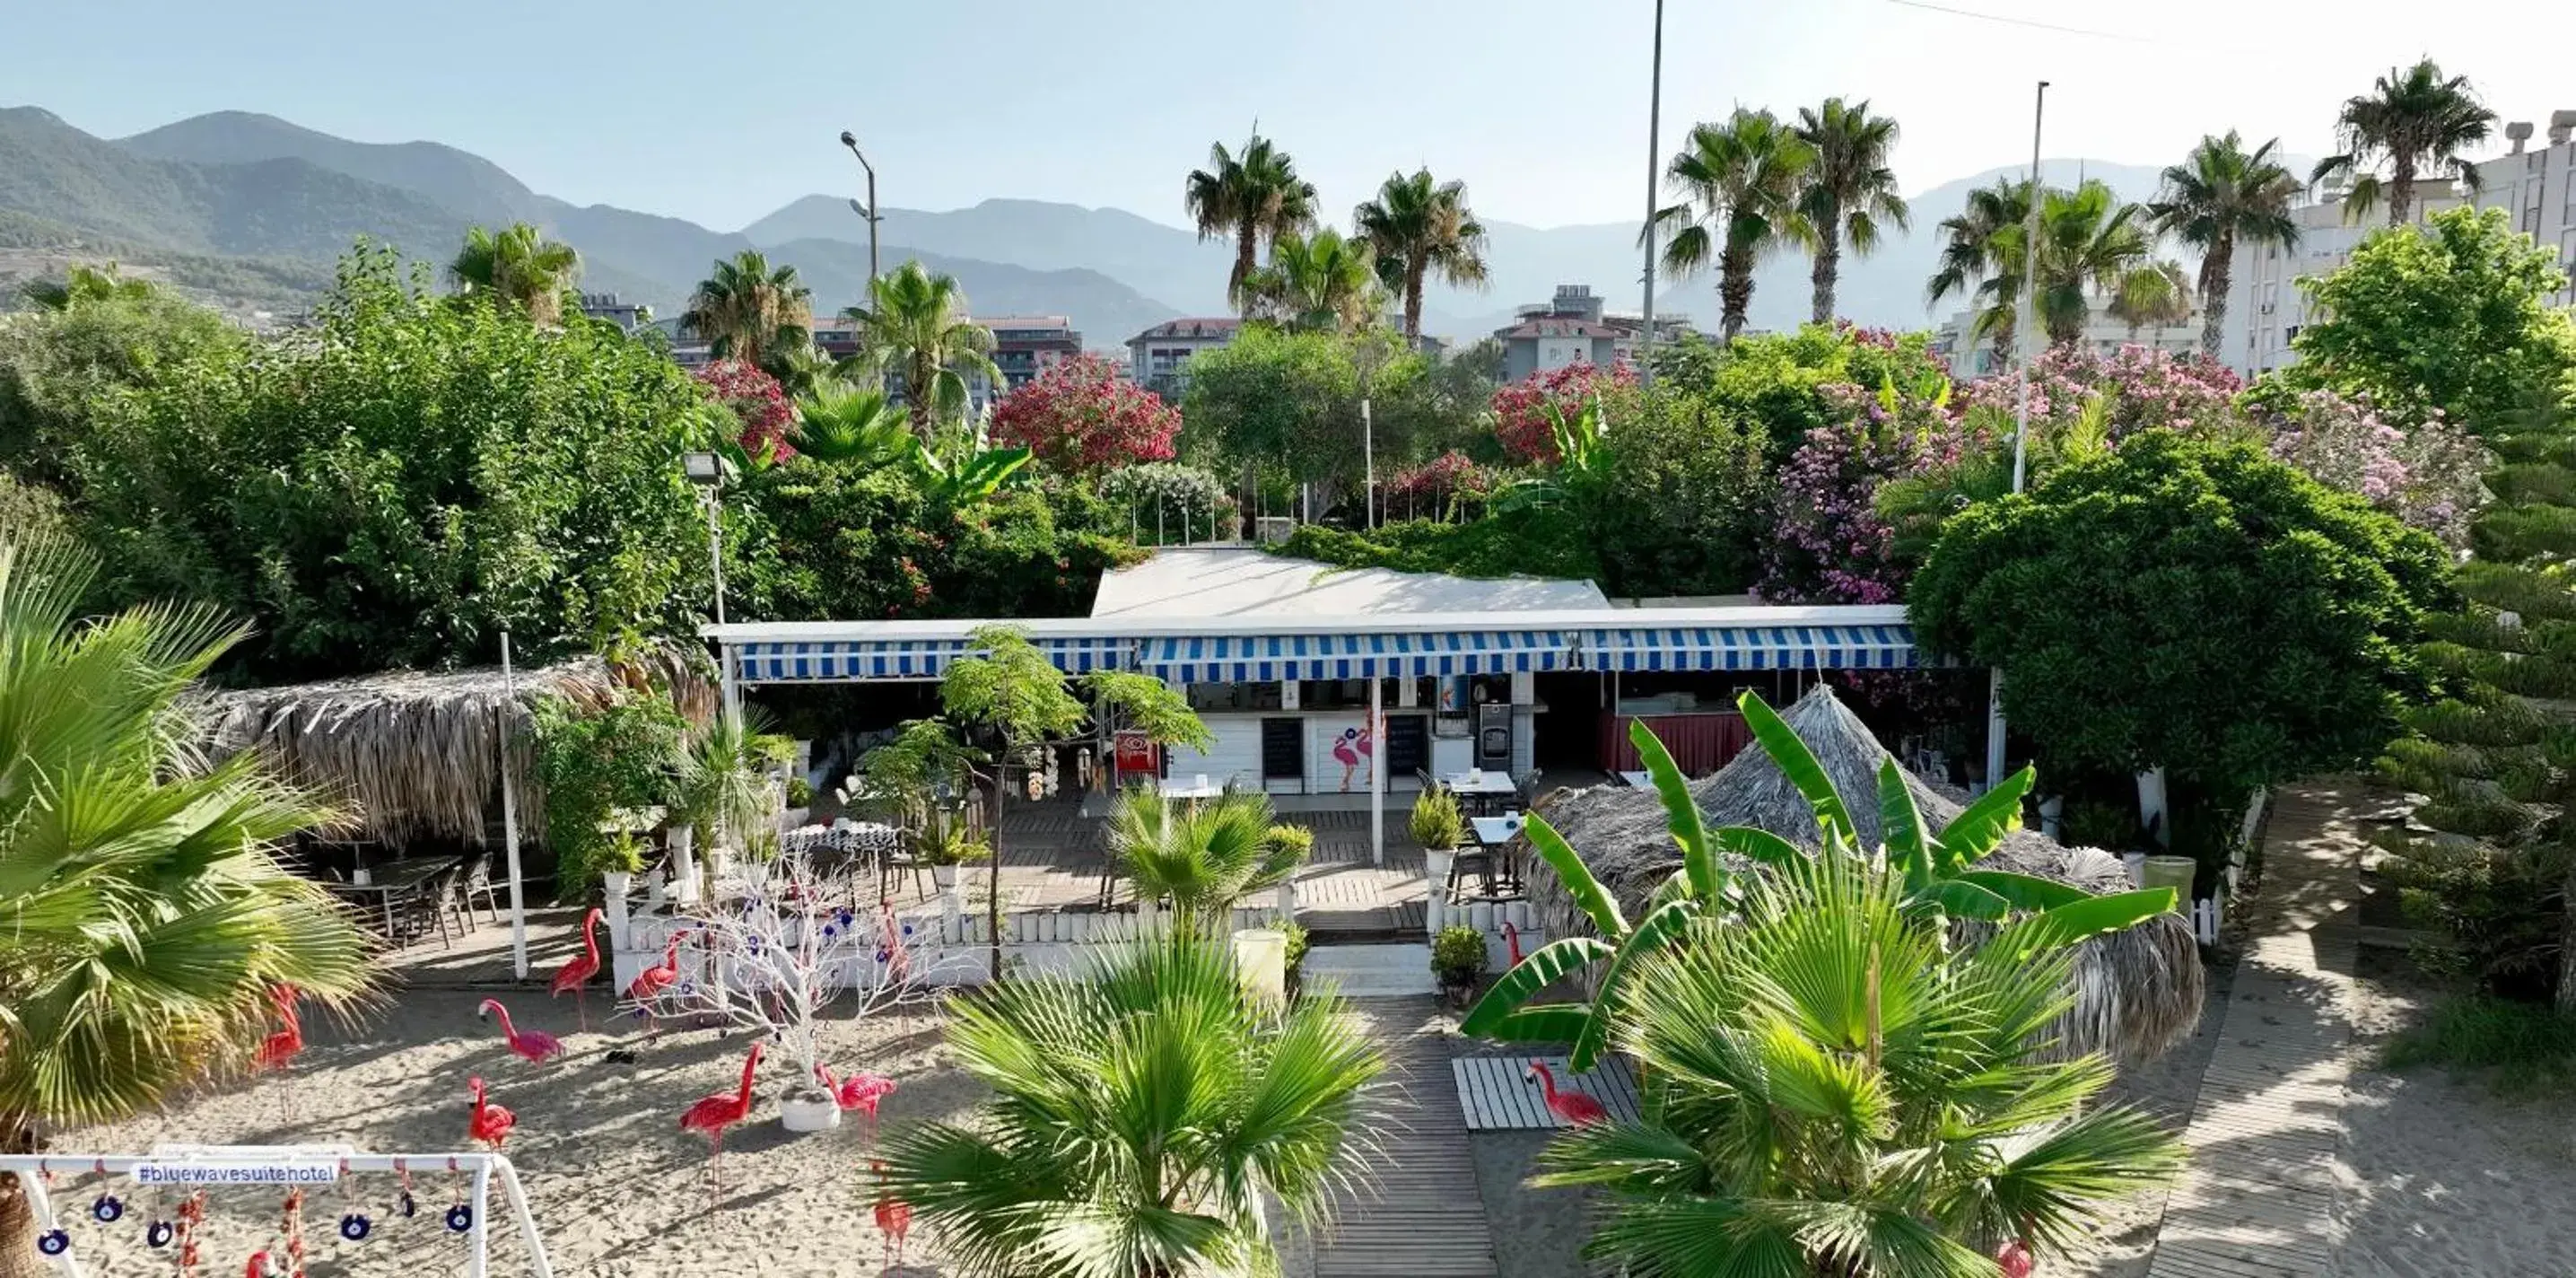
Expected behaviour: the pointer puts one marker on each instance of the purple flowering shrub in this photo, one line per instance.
(1830, 544)
(2146, 388)
(2428, 477)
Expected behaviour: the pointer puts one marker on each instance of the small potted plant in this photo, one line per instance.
(621, 858)
(1457, 960)
(945, 845)
(800, 802)
(1441, 829)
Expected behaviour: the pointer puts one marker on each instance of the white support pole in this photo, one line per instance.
(2024, 316)
(510, 820)
(1377, 770)
(528, 1235)
(478, 1260)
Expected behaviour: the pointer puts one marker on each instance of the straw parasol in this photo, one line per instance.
(2137, 992)
(415, 753)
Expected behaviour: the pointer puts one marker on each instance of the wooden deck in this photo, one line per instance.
(1423, 1218)
(1498, 1095)
(2258, 1200)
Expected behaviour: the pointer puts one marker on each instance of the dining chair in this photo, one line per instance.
(476, 881)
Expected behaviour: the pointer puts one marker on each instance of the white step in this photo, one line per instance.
(1383, 970)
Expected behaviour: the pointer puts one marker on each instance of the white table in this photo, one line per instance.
(1495, 831)
(1637, 780)
(1479, 789)
(1495, 834)
(1194, 788)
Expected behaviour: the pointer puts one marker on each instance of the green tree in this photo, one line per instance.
(2465, 275)
(2221, 195)
(84, 284)
(1739, 183)
(1849, 195)
(2420, 123)
(1316, 283)
(2188, 605)
(2091, 244)
(61, 367)
(1273, 398)
(404, 481)
(1981, 247)
(1140, 1116)
(1420, 228)
(915, 328)
(748, 310)
(151, 927)
(516, 267)
(1255, 197)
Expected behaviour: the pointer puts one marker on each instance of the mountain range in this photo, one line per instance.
(251, 208)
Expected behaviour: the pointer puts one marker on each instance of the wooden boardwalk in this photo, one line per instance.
(2258, 1200)
(1424, 1217)
(1499, 1095)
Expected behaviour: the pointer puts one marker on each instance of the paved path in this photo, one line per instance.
(1424, 1218)
(2258, 1200)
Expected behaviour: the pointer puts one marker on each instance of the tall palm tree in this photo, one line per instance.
(1849, 191)
(2090, 244)
(1419, 228)
(150, 926)
(1739, 184)
(2157, 294)
(2419, 122)
(1140, 1117)
(1321, 282)
(751, 311)
(1204, 856)
(1973, 254)
(516, 267)
(915, 328)
(1256, 197)
(2221, 195)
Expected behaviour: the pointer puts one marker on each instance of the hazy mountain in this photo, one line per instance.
(1156, 260)
(461, 181)
(1107, 311)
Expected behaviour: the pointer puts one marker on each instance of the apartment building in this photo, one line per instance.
(1158, 358)
(1969, 357)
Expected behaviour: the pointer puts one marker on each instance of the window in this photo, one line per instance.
(1341, 694)
(1219, 698)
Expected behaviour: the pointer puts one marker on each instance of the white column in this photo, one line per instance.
(1377, 771)
(510, 820)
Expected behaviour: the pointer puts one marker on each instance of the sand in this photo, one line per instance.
(616, 1187)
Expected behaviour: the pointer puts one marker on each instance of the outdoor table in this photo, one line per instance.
(1637, 780)
(1199, 787)
(392, 883)
(1481, 788)
(1496, 834)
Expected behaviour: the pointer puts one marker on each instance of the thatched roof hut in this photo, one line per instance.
(2138, 992)
(417, 755)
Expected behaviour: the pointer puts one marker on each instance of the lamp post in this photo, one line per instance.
(867, 211)
(707, 470)
(2022, 322)
(1654, 161)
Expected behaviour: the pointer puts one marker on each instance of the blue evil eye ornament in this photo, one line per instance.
(108, 1210)
(159, 1233)
(53, 1242)
(460, 1218)
(355, 1226)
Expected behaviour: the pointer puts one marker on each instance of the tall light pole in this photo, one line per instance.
(868, 211)
(2022, 323)
(1654, 161)
(707, 471)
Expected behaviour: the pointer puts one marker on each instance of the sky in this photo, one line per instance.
(723, 113)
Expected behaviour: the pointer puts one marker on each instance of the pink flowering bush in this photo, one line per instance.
(2146, 388)
(1522, 420)
(1080, 416)
(2428, 476)
(756, 400)
(1831, 545)
(1439, 488)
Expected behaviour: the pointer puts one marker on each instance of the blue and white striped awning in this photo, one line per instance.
(1264, 658)
(1751, 648)
(883, 659)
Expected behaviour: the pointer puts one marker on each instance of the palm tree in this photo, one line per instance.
(1838, 1087)
(2157, 294)
(750, 311)
(1321, 283)
(84, 284)
(1972, 253)
(1139, 1119)
(2419, 122)
(841, 423)
(150, 927)
(1256, 197)
(516, 267)
(2090, 243)
(1849, 191)
(2218, 196)
(1204, 856)
(1418, 229)
(915, 328)
(1739, 183)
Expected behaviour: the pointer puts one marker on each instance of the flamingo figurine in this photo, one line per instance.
(715, 1112)
(578, 970)
(1574, 1108)
(258, 1266)
(490, 1124)
(894, 1216)
(649, 983)
(534, 1046)
(1512, 942)
(2013, 1260)
(280, 1049)
(860, 1091)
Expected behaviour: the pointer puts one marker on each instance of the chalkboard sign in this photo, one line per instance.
(1283, 749)
(1408, 744)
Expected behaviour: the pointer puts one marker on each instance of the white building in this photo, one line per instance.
(1971, 358)
(2265, 307)
(1158, 358)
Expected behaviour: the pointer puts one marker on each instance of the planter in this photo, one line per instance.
(1459, 995)
(945, 876)
(617, 883)
(808, 1110)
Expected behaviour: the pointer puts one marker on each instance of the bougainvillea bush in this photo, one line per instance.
(756, 400)
(2144, 389)
(1444, 487)
(1830, 544)
(2427, 476)
(1080, 416)
(1526, 411)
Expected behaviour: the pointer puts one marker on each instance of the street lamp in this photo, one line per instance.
(867, 211)
(708, 472)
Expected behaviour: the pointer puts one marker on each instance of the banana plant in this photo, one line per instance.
(2039, 914)
(970, 475)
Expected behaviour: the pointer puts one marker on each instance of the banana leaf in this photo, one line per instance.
(1543, 967)
(1780, 741)
(1657, 928)
(1681, 812)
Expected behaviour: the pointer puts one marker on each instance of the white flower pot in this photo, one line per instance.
(802, 1111)
(618, 883)
(945, 876)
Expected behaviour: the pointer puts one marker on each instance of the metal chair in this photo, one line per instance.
(477, 881)
(426, 907)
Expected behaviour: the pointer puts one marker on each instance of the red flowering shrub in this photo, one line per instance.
(1438, 488)
(1081, 416)
(1521, 417)
(757, 401)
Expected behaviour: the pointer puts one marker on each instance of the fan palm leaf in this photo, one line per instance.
(915, 328)
(516, 267)
(1204, 856)
(1849, 194)
(2220, 196)
(1254, 197)
(1319, 283)
(748, 310)
(1739, 184)
(1421, 228)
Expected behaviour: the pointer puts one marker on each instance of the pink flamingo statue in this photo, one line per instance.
(1512, 942)
(649, 983)
(578, 970)
(489, 1124)
(860, 1091)
(534, 1046)
(894, 1217)
(2013, 1260)
(715, 1112)
(1575, 1108)
(279, 1049)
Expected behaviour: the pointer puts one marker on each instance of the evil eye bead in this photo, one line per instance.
(53, 1242)
(406, 1204)
(158, 1234)
(355, 1226)
(460, 1218)
(108, 1209)
(883, 955)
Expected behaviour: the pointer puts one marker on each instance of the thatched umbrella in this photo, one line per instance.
(2138, 991)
